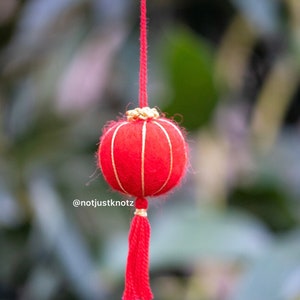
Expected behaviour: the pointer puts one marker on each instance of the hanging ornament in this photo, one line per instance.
(142, 155)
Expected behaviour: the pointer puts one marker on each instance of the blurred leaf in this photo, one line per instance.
(182, 235)
(266, 201)
(269, 278)
(185, 234)
(61, 235)
(262, 14)
(272, 192)
(42, 283)
(189, 67)
(10, 212)
(233, 54)
(14, 263)
(39, 14)
(87, 76)
(282, 164)
(279, 87)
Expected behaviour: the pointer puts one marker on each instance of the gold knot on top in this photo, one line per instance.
(141, 212)
(143, 113)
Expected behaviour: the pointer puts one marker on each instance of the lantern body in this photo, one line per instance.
(143, 157)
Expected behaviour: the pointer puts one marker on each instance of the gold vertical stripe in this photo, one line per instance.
(113, 158)
(179, 132)
(171, 156)
(144, 130)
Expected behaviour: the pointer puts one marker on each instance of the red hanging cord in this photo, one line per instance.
(137, 282)
(143, 97)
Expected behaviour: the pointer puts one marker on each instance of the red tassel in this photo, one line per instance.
(137, 283)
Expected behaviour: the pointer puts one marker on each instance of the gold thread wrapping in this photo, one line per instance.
(143, 113)
(141, 212)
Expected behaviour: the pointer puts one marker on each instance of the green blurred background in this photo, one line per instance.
(228, 71)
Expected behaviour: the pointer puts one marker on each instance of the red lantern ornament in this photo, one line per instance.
(143, 155)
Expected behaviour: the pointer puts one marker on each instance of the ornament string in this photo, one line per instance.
(143, 80)
(137, 281)
(142, 155)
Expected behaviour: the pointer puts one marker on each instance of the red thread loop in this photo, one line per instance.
(143, 97)
(141, 203)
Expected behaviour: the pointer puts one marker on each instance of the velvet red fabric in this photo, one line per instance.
(143, 157)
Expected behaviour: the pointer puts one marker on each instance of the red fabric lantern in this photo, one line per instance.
(143, 155)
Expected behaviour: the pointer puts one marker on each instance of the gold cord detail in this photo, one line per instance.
(141, 212)
(143, 113)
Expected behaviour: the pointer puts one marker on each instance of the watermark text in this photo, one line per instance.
(102, 203)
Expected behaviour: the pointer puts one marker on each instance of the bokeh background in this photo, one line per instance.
(227, 71)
